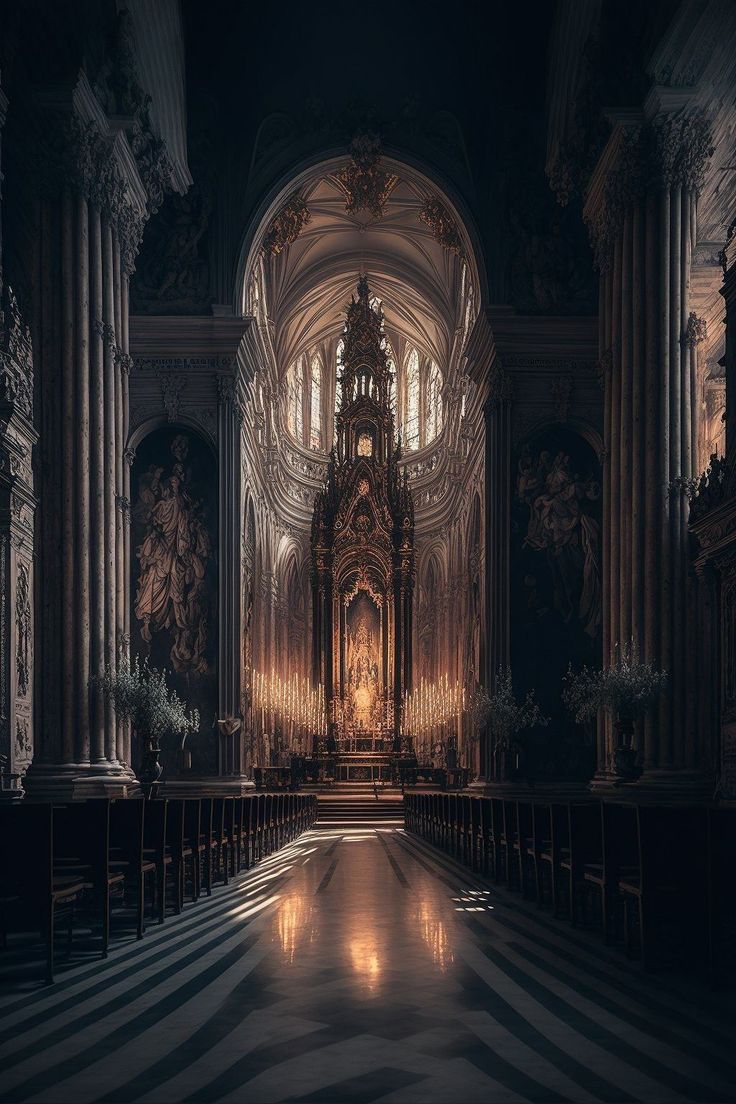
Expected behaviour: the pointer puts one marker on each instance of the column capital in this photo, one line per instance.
(646, 153)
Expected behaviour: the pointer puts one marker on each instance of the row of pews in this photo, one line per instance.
(59, 862)
(657, 880)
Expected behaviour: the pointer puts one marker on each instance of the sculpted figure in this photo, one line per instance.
(173, 558)
(570, 537)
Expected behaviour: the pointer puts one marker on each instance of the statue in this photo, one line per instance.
(173, 558)
(558, 525)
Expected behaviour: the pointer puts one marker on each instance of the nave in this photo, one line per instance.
(361, 965)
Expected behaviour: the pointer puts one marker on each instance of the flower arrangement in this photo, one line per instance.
(502, 713)
(139, 693)
(625, 688)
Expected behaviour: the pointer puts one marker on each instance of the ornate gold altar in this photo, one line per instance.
(363, 547)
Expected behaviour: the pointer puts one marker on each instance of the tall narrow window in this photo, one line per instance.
(315, 413)
(434, 403)
(296, 400)
(411, 421)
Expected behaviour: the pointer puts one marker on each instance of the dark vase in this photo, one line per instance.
(624, 755)
(151, 768)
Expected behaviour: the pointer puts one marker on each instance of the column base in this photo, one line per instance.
(207, 785)
(79, 781)
(682, 786)
(565, 790)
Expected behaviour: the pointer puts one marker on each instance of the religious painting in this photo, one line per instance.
(174, 572)
(555, 580)
(363, 663)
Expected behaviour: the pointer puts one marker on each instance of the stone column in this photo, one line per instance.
(92, 208)
(641, 211)
(497, 415)
(230, 420)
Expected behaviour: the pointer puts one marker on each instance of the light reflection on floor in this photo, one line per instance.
(333, 973)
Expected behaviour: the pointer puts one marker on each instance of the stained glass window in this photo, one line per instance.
(315, 418)
(411, 421)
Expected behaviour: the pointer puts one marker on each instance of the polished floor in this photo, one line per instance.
(359, 965)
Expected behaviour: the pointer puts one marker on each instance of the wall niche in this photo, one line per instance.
(174, 581)
(555, 589)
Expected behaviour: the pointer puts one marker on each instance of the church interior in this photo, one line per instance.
(367, 552)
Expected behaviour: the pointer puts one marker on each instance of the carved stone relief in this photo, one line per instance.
(23, 630)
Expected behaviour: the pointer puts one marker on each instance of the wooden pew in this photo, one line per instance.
(668, 894)
(155, 849)
(31, 888)
(82, 845)
(126, 851)
(585, 828)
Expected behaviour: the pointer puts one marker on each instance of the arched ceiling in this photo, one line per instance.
(299, 296)
(420, 283)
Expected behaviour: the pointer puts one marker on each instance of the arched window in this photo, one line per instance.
(422, 400)
(295, 384)
(411, 421)
(315, 418)
(434, 402)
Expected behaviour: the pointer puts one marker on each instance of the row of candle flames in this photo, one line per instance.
(293, 704)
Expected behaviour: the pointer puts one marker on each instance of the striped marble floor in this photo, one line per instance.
(358, 966)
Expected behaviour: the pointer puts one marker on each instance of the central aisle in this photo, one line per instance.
(358, 965)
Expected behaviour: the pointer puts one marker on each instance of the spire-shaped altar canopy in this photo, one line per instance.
(365, 425)
(363, 546)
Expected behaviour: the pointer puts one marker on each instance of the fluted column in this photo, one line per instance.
(497, 414)
(641, 210)
(90, 230)
(230, 419)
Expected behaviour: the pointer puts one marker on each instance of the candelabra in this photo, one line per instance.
(432, 714)
(289, 707)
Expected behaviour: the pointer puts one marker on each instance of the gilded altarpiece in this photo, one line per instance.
(363, 547)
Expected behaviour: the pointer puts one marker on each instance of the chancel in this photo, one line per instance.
(367, 551)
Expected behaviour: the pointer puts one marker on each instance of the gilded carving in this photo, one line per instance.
(287, 225)
(444, 229)
(364, 183)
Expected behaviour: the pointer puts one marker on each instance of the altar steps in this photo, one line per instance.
(351, 810)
